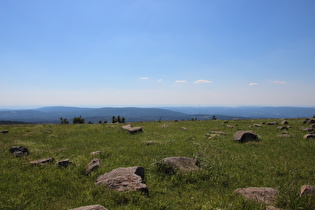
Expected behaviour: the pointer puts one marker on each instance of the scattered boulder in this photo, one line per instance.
(92, 207)
(4, 132)
(313, 126)
(229, 126)
(272, 123)
(244, 136)
(284, 122)
(174, 164)
(65, 163)
(92, 166)
(42, 161)
(309, 121)
(19, 151)
(283, 128)
(307, 129)
(309, 136)
(183, 128)
(95, 153)
(258, 125)
(307, 190)
(132, 130)
(124, 179)
(264, 195)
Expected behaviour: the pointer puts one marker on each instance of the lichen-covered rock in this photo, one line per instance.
(124, 179)
(92, 207)
(245, 136)
(92, 166)
(42, 161)
(174, 164)
(265, 195)
(307, 190)
(19, 151)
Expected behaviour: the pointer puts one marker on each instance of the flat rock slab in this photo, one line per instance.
(42, 161)
(124, 179)
(19, 151)
(92, 166)
(307, 190)
(309, 136)
(131, 129)
(264, 195)
(92, 207)
(182, 164)
(244, 136)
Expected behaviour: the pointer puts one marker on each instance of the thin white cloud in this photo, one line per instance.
(202, 81)
(180, 81)
(159, 80)
(279, 82)
(253, 84)
(143, 78)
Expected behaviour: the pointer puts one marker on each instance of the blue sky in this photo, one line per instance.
(162, 52)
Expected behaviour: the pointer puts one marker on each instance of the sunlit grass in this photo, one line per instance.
(282, 163)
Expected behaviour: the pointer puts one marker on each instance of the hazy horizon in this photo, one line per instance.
(162, 53)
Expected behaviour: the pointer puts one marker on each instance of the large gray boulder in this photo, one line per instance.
(244, 136)
(264, 195)
(174, 164)
(92, 207)
(124, 179)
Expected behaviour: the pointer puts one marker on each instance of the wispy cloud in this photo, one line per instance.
(253, 84)
(180, 81)
(144, 78)
(159, 80)
(279, 82)
(202, 81)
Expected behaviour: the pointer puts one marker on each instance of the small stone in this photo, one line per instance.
(307, 190)
(173, 164)
(42, 161)
(95, 153)
(92, 166)
(131, 129)
(309, 136)
(19, 151)
(92, 207)
(65, 163)
(284, 122)
(4, 132)
(264, 195)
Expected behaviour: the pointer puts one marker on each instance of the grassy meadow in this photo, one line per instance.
(278, 162)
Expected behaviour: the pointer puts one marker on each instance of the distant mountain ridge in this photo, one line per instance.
(134, 114)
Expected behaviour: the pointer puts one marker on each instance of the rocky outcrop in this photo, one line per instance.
(124, 179)
(174, 164)
(19, 151)
(245, 136)
(264, 195)
(92, 207)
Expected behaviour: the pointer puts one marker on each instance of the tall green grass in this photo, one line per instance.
(282, 163)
